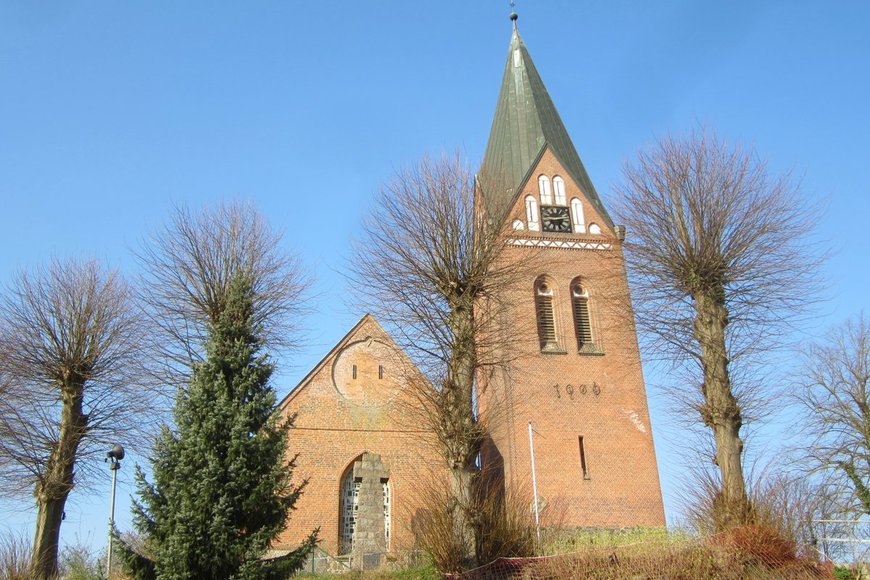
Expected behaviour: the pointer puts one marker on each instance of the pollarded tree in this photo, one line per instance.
(70, 348)
(433, 268)
(188, 266)
(836, 395)
(720, 267)
(222, 489)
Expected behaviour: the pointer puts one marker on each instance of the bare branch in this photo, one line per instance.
(426, 254)
(703, 213)
(834, 391)
(70, 372)
(720, 266)
(189, 264)
(432, 267)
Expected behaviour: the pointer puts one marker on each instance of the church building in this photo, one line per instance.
(574, 391)
(363, 453)
(573, 416)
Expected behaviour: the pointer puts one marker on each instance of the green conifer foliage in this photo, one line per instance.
(222, 489)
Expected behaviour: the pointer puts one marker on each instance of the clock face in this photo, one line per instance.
(556, 219)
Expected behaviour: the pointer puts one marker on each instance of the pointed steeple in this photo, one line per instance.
(526, 121)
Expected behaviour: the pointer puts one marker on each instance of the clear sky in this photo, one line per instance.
(111, 112)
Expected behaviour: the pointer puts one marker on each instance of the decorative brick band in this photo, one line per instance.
(569, 245)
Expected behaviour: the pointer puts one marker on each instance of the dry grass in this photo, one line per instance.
(502, 524)
(748, 553)
(569, 541)
(15, 551)
(505, 527)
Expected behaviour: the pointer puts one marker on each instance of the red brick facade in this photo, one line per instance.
(353, 402)
(596, 392)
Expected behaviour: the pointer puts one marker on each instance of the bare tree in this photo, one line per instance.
(189, 264)
(70, 349)
(719, 262)
(835, 393)
(432, 268)
(798, 508)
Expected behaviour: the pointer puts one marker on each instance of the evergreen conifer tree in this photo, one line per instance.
(222, 489)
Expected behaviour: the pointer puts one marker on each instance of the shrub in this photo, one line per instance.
(759, 544)
(15, 552)
(78, 563)
(503, 523)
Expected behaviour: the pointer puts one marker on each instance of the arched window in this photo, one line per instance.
(559, 189)
(546, 314)
(577, 219)
(544, 190)
(594, 228)
(347, 510)
(582, 321)
(532, 213)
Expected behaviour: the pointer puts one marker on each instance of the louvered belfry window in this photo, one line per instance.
(582, 323)
(546, 316)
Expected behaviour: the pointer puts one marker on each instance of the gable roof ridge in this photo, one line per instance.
(300, 386)
(519, 190)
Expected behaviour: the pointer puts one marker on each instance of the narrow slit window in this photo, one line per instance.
(544, 190)
(559, 190)
(582, 322)
(354, 372)
(544, 308)
(532, 213)
(583, 467)
(577, 218)
(380, 371)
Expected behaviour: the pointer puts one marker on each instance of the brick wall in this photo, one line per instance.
(340, 417)
(599, 396)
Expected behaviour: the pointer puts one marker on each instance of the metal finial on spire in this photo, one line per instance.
(514, 15)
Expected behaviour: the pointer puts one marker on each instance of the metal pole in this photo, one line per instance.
(535, 484)
(115, 466)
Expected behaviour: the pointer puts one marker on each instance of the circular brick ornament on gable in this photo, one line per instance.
(366, 372)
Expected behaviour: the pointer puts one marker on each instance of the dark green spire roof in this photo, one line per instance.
(525, 122)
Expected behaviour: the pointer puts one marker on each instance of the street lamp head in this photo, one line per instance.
(117, 453)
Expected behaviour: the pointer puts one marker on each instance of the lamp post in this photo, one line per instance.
(535, 485)
(114, 458)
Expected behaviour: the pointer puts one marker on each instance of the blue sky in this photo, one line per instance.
(111, 112)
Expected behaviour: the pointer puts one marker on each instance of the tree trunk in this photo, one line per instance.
(721, 411)
(51, 493)
(862, 492)
(461, 432)
(463, 528)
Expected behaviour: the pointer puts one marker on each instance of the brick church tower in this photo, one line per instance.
(575, 374)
